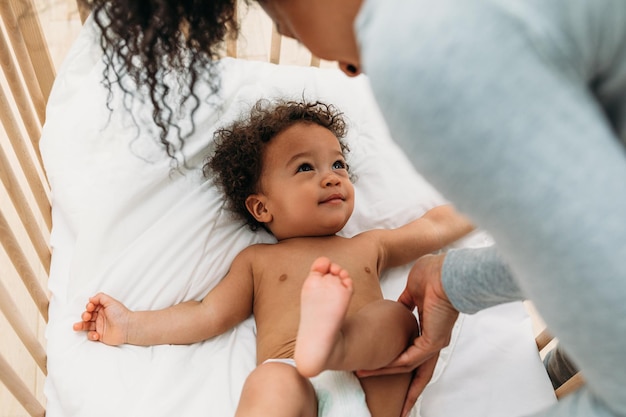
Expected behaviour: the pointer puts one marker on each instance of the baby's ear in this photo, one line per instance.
(255, 204)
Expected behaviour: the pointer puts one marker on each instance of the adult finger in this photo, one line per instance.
(422, 377)
(407, 299)
(407, 361)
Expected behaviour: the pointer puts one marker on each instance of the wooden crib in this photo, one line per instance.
(25, 214)
(25, 219)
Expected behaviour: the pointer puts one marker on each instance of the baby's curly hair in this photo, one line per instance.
(150, 38)
(237, 162)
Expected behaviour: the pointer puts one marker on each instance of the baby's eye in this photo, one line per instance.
(305, 168)
(339, 165)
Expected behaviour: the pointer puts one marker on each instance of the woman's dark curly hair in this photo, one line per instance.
(152, 37)
(237, 162)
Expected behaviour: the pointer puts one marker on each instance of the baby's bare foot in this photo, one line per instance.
(326, 294)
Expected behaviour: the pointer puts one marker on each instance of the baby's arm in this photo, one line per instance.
(436, 229)
(229, 303)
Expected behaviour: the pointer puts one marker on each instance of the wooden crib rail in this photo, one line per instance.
(25, 221)
(545, 342)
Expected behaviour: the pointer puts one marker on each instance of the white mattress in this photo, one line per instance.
(124, 222)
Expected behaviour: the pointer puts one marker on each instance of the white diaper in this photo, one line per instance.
(339, 393)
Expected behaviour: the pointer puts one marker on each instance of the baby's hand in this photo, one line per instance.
(105, 319)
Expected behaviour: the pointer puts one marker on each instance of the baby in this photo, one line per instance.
(315, 296)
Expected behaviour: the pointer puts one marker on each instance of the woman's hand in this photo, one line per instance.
(424, 290)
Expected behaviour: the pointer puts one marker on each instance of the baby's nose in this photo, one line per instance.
(331, 179)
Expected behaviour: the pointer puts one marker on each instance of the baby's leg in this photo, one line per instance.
(326, 294)
(277, 389)
(374, 336)
(385, 394)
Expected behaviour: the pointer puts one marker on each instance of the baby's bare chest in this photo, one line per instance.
(282, 271)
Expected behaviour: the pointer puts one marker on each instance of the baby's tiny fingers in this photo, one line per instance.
(80, 326)
(93, 335)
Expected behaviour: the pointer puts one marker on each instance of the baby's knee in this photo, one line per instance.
(273, 382)
(405, 319)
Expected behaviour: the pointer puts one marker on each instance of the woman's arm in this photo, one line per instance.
(229, 303)
(475, 279)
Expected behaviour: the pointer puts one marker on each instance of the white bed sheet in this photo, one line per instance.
(125, 223)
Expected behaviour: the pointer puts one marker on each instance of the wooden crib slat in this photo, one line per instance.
(315, 61)
(24, 157)
(21, 53)
(36, 46)
(231, 37)
(22, 329)
(21, 392)
(543, 339)
(231, 47)
(275, 46)
(35, 233)
(22, 266)
(20, 96)
(571, 385)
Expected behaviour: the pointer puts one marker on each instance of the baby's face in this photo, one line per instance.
(305, 183)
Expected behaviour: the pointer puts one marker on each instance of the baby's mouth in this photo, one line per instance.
(333, 198)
